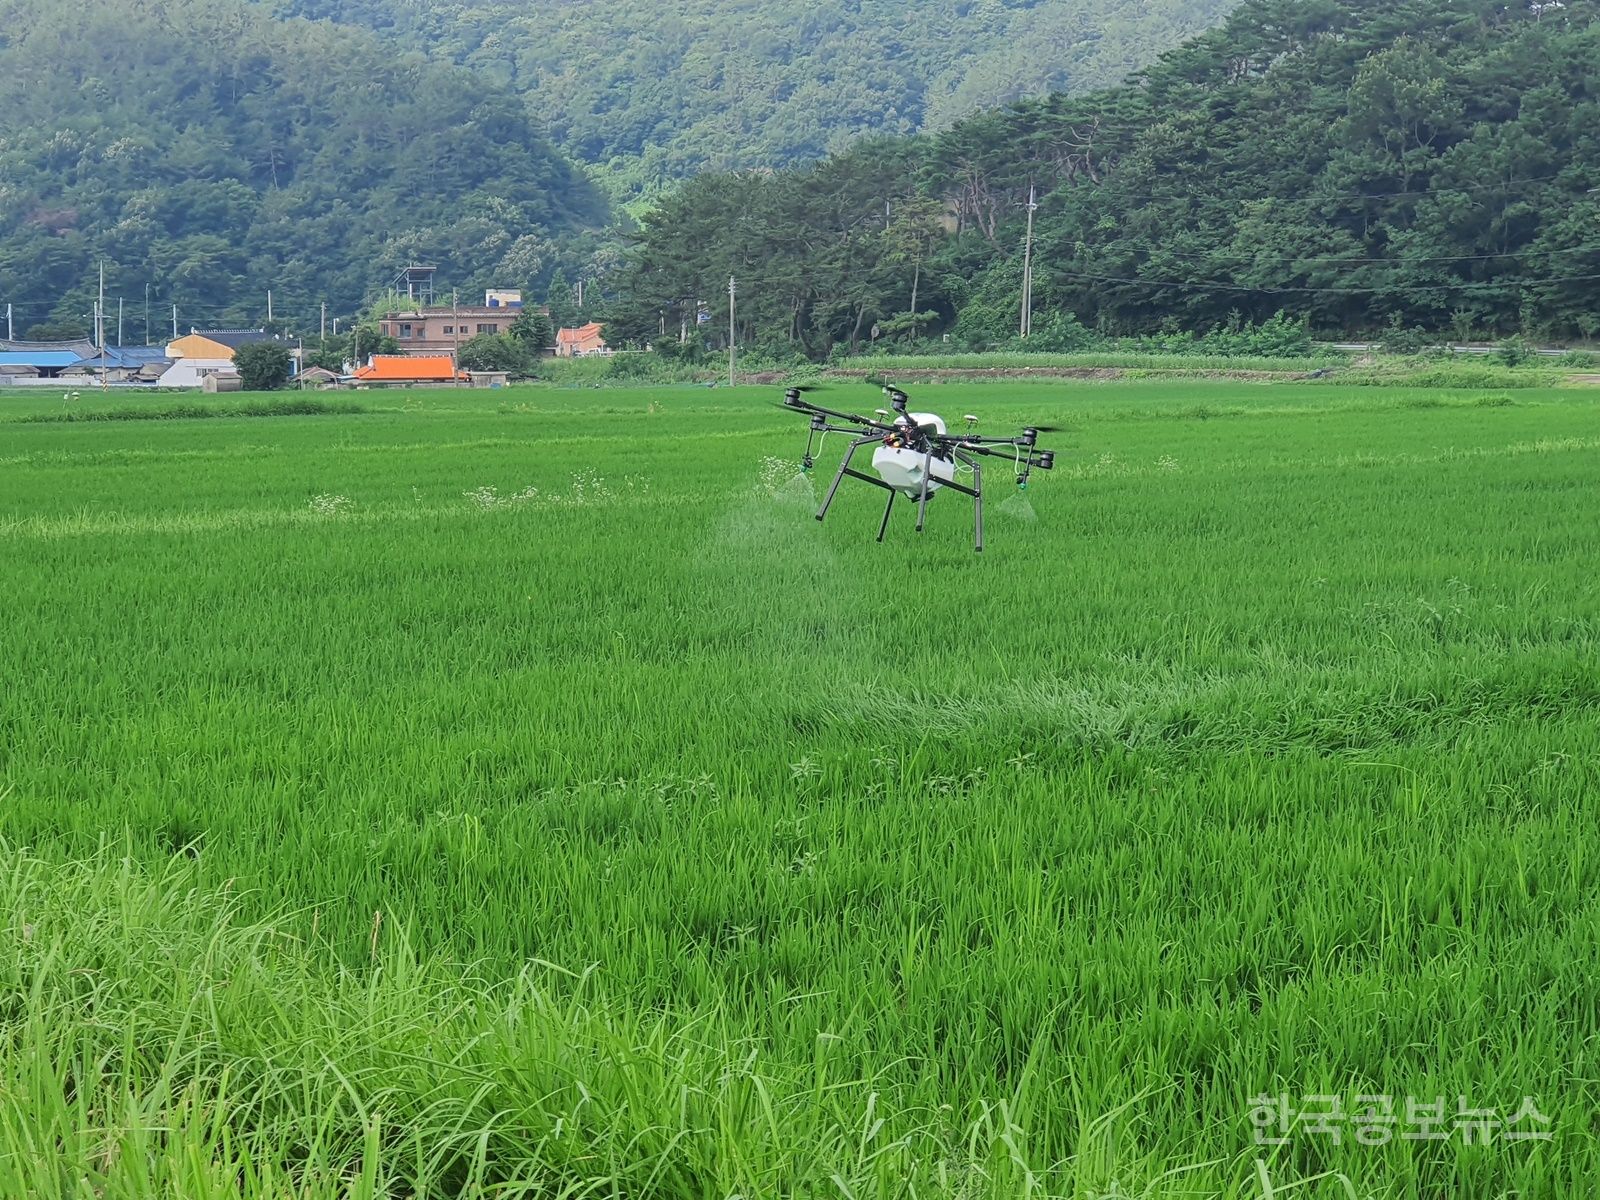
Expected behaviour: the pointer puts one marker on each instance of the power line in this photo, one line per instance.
(1220, 285)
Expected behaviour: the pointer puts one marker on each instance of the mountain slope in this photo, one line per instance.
(211, 151)
(658, 91)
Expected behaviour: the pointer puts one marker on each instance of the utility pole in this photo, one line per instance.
(324, 332)
(174, 322)
(1026, 324)
(732, 287)
(119, 322)
(9, 334)
(455, 315)
(269, 306)
(147, 314)
(100, 323)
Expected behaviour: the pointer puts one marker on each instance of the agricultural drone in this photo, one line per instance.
(915, 454)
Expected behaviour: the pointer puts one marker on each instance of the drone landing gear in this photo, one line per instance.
(975, 491)
(888, 508)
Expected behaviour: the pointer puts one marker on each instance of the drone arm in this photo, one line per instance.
(805, 406)
(1027, 456)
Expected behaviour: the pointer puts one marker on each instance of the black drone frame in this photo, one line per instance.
(967, 449)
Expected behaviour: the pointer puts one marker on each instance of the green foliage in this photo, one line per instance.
(1061, 333)
(638, 367)
(496, 352)
(211, 151)
(1398, 339)
(817, 259)
(64, 329)
(1460, 373)
(263, 366)
(562, 303)
(1513, 352)
(654, 93)
(365, 341)
(534, 330)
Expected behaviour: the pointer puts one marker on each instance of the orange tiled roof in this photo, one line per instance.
(410, 368)
(582, 333)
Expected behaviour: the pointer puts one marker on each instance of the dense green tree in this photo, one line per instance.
(534, 330)
(263, 366)
(495, 352)
(562, 302)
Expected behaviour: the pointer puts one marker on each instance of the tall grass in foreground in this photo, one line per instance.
(153, 1044)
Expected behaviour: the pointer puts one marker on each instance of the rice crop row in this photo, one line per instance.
(542, 743)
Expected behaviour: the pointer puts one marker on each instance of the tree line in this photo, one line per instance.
(1362, 167)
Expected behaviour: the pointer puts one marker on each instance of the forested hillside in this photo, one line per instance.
(1363, 165)
(656, 91)
(211, 151)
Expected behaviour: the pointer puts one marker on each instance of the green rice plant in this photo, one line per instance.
(1460, 373)
(1094, 359)
(375, 781)
(298, 406)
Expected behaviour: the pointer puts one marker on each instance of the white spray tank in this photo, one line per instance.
(902, 468)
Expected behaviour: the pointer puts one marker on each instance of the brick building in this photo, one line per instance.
(441, 328)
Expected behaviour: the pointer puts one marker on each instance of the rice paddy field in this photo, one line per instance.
(518, 793)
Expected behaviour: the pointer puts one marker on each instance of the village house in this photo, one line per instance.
(442, 328)
(121, 364)
(581, 342)
(398, 370)
(317, 377)
(23, 362)
(202, 353)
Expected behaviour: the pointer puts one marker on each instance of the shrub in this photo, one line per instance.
(1062, 332)
(1513, 352)
(263, 366)
(1397, 339)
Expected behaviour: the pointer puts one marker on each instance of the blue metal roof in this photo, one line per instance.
(37, 358)
(123, 357)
